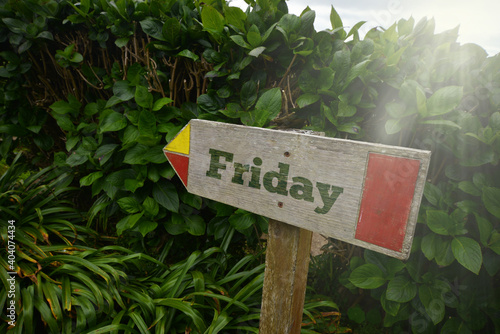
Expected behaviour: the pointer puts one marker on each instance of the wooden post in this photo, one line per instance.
(285, 278)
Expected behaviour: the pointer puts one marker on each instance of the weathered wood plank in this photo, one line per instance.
(309, 181)
(285, 280)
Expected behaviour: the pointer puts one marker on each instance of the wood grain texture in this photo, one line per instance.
(285, 280)
(336, 163)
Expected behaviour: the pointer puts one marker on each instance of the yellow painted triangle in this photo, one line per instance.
(180, 144)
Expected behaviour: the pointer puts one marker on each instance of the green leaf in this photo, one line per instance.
(171, 31)
(104, 153)
(176, 225)
(444, 254)
(485, 229)
(439, 222)
(195, 225)
(335, 19)
(469, 188)
(468, 253)
(253, 36)
(491, 200)
(401, 289)
(356, 314)
(389, 266)
(63, 107)
(433, 303)
(239, 40)
(147, 124)
(367, 276)
(270, 101)
(399, 110)
(147, 226)
(185, 307)
(242, 220)
(307, 99)
(392, 126)
(129, 204)
(248, 94)
(444, 100)
(161, 102)
(76, 159)
(356, 71)
(91, 109)
(232, 110)
(346, 110)
(89, 179)
(121, 42)
(235, 17)
(455, 326)
(71, 142)
(341, 63)
(428, 245)
(443, 122)
(188, 54)
(494, 122)
(136, 155)
(166, 195)
(143, 97)
(494, 242)
(391, 307)
(128, 222)
(123, 90)
(257, 51)
(432, 193)
(113, 121)
(150, 206)
(192, 200)
(212, 20)
(153, 28)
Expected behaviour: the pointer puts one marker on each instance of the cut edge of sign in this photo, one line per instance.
(177, 153)
(181, 142)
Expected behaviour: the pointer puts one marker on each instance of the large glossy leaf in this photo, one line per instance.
(123, 90)
(242, 220)
(153, 28)
(270, 101)
(166, 195)
(433, 302)
(248, 94)
(444, 100)
(212, 20)
(143, 97)
(235, 17)
(113, 121)
(401, 289)
(439, 222)
(367, 276)
(491, 199)
(468, 253)
(195, 224)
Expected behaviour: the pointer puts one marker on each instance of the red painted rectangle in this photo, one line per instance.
(386, 200)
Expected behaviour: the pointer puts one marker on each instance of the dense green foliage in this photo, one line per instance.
(91, 91)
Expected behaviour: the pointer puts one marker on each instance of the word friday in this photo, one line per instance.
(301, 189)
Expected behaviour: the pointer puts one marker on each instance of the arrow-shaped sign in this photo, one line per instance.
(361, 193)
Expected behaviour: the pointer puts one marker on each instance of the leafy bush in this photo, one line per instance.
(101, 86)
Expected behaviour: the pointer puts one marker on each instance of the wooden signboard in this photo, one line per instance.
(362, 193)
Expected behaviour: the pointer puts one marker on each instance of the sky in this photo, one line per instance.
(478, 20)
